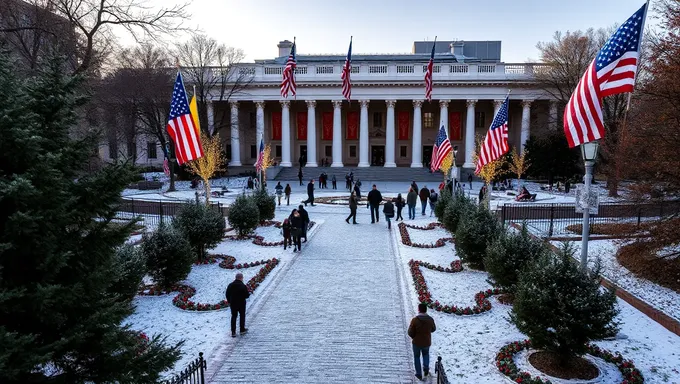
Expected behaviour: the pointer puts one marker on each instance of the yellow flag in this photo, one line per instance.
(193, 107)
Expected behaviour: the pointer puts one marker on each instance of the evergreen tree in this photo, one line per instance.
(202, 225)
(244, 215)
(477, 228)
(58, 317)
(168, 255)
(444, 200)
(561, 308)
(266, 204)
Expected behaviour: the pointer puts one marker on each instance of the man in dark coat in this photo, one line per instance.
(237, 293)
(310, 193)
(424, 197)
(300, 176)
(388, 210)
(305, 221)
(352, 209)
(374, 198)
(420, 330)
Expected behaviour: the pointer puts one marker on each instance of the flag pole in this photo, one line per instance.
(171, 151)
(293, 74)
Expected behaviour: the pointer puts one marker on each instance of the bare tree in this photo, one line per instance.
(213, 69)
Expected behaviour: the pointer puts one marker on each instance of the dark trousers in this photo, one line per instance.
(375, 212)
(304, 230)
(287, 241)
(399, 213)
(335, 184)
(352, 215)
(300, 180)
(310, 200)
(287, 199)
(297, 243)
(235, 311)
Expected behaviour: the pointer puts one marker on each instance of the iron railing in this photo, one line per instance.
(154, 212)
(440, 372)
(194, 373)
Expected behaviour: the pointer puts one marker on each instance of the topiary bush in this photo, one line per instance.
(168, 255)
(508, 255)
(561, 308)
(129, 269)
(266, 204)
(454, 210)
(244, 215)
(444, 200)
(476, 229)
(202, 225)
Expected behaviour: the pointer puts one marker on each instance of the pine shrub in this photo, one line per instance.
(476, 229)
(508, 255)
(444, 200)
(243, 215)
(266, 204)
(168, 255)
(454, 210)
(130, 270)
(203, 226)
(561, 308)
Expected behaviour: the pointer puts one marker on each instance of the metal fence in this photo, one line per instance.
(555, 219)
(440, 372)
(194, 373)
(155, 212)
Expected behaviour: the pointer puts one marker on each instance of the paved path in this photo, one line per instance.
(336, 316)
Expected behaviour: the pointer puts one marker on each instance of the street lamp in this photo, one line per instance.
(589, 153)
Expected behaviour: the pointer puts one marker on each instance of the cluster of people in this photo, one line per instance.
(252, 183)
(323, 181)
(294, 229)
(280, 191)
(426, 196)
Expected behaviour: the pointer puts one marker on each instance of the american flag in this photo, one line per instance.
(496, 141)
(442, 148)
(166, 167)
(181, 126)
(288, 81)
(260, 157)
(610, 73)
(428, 75)
(346, 72)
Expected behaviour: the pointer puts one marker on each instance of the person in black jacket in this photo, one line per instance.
(388, 210)
(305, 221)
(352, 209)
(300, 175)
(237, 293)
(399, 203)
(374, 198)
(310, 193)
(297, 224)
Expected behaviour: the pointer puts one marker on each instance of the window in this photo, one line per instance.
(227, 151)
(328, 151)
(377, 120)
(113, 150)
(253, 152)
(151, 152)
(402, 151)
(278, 151)
(132, 149)
(480, 120)
(352, 151)
(428, 120)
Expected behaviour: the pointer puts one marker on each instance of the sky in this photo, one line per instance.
(391, 26)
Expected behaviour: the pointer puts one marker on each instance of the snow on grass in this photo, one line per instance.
(211, 280)
(448, 289)
(430, 236)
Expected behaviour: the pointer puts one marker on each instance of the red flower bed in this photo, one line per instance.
(424, 296)
(259, 240)
(406, 238)
(425, 228)
(506, 364)
(456, 266)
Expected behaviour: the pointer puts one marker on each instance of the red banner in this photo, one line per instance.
(276, 125)
(352, 125)
(455, 133)
(403, 123)
(302, 125)
(327, 126)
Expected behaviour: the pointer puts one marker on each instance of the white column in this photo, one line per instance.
(337, 134)
(211, 117)
(390, 135)
(496, 106)
(552, 124)
(526, 115)
(363, 134)
(470, 134)
(417, 149)
(235, 140)
(311, 134)
(444, 114)
(259, 123)
(285, 134)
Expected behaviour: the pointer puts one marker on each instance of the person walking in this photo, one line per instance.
(279, 191)
(287, 191)
(411, 200)
(352, 209)
(424, 196)
(348, 185)
(414, 186)
(335, 182)
(310, 193)
(296, 227)
(286, 228)
(237, 293)
(305, 220)
(388, 210)
(374, 198)
(300, 175)
(420, 330)
(434, 196)
(399, 203)
(470, 180)
(357, 191)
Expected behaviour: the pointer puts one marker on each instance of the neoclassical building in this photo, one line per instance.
(387, 123)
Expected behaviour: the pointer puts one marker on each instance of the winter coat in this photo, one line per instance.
(286, 229)
(374, 197)
(279, 189)
(414, 186)
(434, 197)
(411, 198)
(353, 202)
(388, 209)
(420, 330)
(357, 192)
(297, 223)
(310, 189)
(424, 194)
(304, 215)
(237, 293)
(399, 202)
(288, 190)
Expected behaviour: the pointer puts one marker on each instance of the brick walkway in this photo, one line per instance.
(335, 316)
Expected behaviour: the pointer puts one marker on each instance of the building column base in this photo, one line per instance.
(311, 165)
(469, 165)
(363, 165)
(285, 164)
(337, 165)
(416, 165)
(390, 165)
(234, 163)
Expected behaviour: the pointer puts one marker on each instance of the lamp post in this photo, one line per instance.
(589, 153)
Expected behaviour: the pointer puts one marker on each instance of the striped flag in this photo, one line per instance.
(442, 148)
(181, 126)
(260, 157)
(288, 80)
(166, 167)
(495, 143)
(611, 72)
(428, 74)
(346, 74)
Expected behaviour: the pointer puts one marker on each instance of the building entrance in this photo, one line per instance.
(378, 155)
(427, 155)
